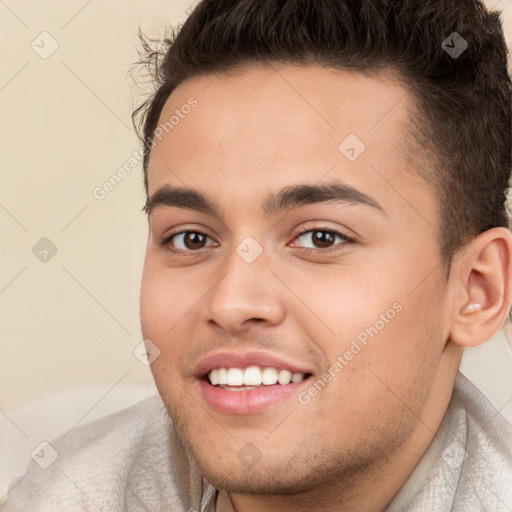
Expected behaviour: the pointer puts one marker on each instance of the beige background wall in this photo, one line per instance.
(65, 129)
(71, 322)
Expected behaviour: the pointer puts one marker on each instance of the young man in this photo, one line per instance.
(327, 232)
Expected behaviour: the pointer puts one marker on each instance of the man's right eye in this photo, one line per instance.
(186, 241)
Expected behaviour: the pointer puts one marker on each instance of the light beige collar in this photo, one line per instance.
(224, 503)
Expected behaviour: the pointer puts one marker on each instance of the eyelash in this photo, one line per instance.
(165, 243)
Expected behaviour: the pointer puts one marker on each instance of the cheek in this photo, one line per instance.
(383, 323)
(163, 309)
(395, 369)
(169, 303)
(154, 301)
(342, 302)
(166, 297)
(160, 310)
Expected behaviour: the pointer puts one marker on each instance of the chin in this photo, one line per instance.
(280, 471)
(262, 481)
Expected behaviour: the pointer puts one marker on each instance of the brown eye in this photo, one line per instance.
(194, 240)
(322, 238)
(187, 240)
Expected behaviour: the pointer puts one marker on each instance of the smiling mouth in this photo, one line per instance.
(252, 377)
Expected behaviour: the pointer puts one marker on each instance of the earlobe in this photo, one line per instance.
(484, 276)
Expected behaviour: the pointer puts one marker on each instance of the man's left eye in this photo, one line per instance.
(322, 238)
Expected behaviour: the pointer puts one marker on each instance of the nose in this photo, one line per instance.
(248, 293)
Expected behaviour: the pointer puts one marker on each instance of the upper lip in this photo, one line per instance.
(225, 359)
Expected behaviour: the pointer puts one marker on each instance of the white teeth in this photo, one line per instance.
(269, 376)
(214, 377)
(222, 376)
(284, 377)
(252, 376)
(235, 377)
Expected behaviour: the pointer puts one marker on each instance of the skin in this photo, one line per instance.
(357, 441)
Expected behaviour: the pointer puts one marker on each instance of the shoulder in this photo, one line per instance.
(486, 466)
(486, 427)
(131, 456)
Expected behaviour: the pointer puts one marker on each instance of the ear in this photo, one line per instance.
(482, 277)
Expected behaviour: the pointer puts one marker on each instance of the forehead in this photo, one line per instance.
(270, 126)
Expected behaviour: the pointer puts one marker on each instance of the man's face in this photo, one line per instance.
(348, 293)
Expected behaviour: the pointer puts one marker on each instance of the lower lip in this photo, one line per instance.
(250, 401)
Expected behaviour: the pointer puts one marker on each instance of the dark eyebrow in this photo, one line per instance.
(181, 197)
(293, 196)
